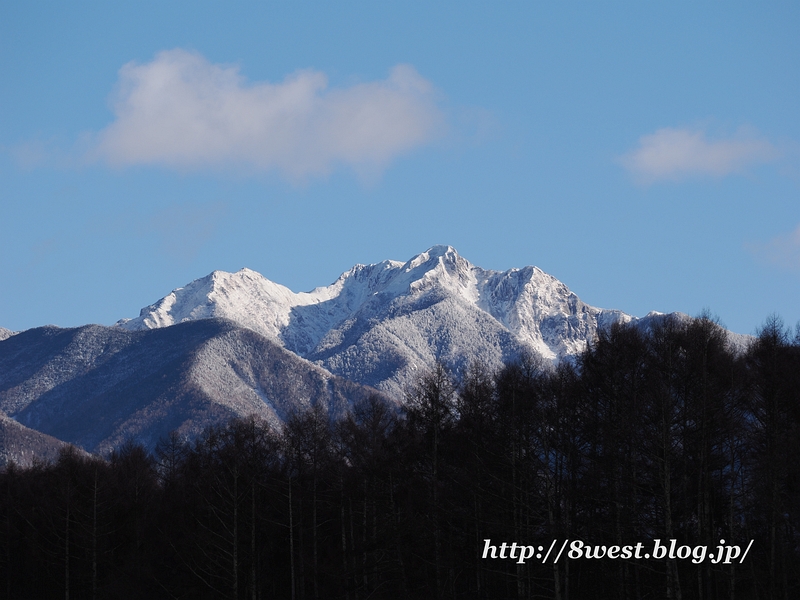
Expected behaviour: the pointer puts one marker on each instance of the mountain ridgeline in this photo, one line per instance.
(236, 344)
(98, 386)
(380, 324)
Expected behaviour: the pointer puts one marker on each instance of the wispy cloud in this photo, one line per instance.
(781, 251)
(182, 111)
(673, 154)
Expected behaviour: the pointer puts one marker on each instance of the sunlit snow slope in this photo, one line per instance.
(378, 324)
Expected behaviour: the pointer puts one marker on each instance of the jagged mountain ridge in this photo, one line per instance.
(96, 386)
(379, 324)
(235, 344)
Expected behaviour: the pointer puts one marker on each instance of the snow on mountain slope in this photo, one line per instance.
(23, 446)
(97, 386)
(378, 324)
(5, 333)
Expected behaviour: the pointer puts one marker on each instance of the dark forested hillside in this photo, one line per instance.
(664, 433)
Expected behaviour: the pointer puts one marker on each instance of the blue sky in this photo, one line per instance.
(646, 154)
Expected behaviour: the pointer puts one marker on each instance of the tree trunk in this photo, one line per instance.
(291, 540)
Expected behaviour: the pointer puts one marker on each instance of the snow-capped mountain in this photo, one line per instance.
(235, 344)
(96, 386)
(378, 324)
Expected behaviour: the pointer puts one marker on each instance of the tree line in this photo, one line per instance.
(665, 433)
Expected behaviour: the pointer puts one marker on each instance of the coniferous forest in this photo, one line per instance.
(662, 434)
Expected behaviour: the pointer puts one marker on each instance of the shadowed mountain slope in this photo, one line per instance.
(97, 386)
(23, 446)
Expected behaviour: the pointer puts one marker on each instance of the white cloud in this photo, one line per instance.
(782, 251)
(182, 111)
(672, 154)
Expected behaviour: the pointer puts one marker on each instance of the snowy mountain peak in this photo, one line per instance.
(245, 297)
(436, 254)
(440, 267)
(378, 323)
(439, 259)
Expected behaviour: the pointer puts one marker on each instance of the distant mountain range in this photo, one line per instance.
(234, 344)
